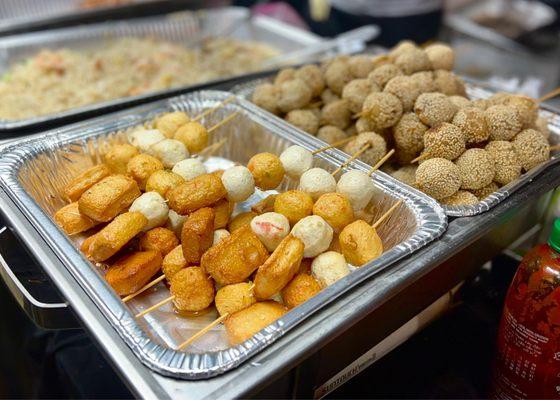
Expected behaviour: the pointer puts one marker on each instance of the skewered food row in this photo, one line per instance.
(410, 100)
(182, 216)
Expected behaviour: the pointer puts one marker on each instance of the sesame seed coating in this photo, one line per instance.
(461, 102)
(438, 177)
(425, 81)
(449, 83)
(312, 76)
(434, 108)
(485, 191)
(526, 107)
(376, 151)
(266, 96)
(532, 148)
(294, 94)
(304, 120)
(331, 134)
(327, 96)
(503, 122)
(383, 74)
(337, 75)
(402, 47)
(405, 88)
(382, 109)
(364, 125)
(356, 91)
(441, 56)
(336, 113)
(541, 125)
(360, 66)
(409, 137)
(285, 75)
(444, 141)
(476, 169)
(413, 60)
(460, 198)
(482, 104)
(406, 174)
(506, 164)
(472, 123)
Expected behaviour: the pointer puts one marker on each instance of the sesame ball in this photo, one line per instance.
(526, 108)
(461, 102)
(381, 59)
(476, 168)
(541, 125)
(486, 191)
(312, 76)
(503, 122)
(337, 75)
(425, 81)
(413, 60)
(336, 113)
(377, 149)
(434, 108)
(284, 75)
(331, 134)
(441, 56)
(355, 92)
(304, 120)
(364, 125)
(460, 198)
(444, 141)
(382, 109)
(402, 47)
(294, 94)
(406, 174)
(360, 66)
(506, 164)
(497, 98)
(482, 104)
(266, 96)
(409, 137)
(532, 148)
(327, 96)
(383, 74)
(405, 88)
(472, 123)
(448, 83)
(438, 177)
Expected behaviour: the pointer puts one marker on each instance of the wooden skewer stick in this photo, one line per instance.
(549, 95)
(202, 331)
(211, 110)
(146, 287)
(381, 162)
(554, 147)
(223, 121)
(354, 156)
(335, 144)
(420, 158)
(387, 214)
(155, 307)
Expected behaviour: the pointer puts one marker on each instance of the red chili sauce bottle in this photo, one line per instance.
(528, 359)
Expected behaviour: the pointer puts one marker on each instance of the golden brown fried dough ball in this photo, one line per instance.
(118, 157)
(482, 104)
(336, 113)
(133, 271)
(526, 108)
(424, 80)
(222, 213)
(460, 198)
(337, 75)
(406, 174)
(462, 102)
(485, 191)
(506, 164)
(294, 205)
(438, 177)
(360, 243)
(472, 123)
(198, 234)
(294, 94)
(170, 122)
(376, 151)
(306, 120)
(503, 122)
(434, 108)
(285, 75)
(173, 262)
(413, 60)
(476, 169)
(243, 324)
(409, 137)
(233, 298)
(355, 92)
(445, 141)
(327, 96)
(159, 239)
(279, 268)
(108, 198)
(203, 191)
(382, 109)
(192, 288)
(331, 134)
(441, 56)
(364, 125)
(72, 221)
(383, 74)
(235, 258)
(193, 135)
(360, 66)
(335, 208)
(405, 88)
(267, 169)
(241, 220)
(162, 180)
(402, 47)
(532, 148)
(300, 289)
(77, 186)
(140, 168)
(313, 77)
(266, 96)
(448, 83)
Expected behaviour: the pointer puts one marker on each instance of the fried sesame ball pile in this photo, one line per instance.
(410, 100)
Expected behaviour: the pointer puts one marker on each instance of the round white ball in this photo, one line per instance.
(169, 152)
(154, 208)
(239, 183)
(296, 160)
(270, 228)
(219, 235)
(143, 139)
(329, 267)
(315, 233)
(189, 168)
(317, 182)
(175, 222)
(358, 187)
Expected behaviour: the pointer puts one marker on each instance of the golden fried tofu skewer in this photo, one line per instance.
(354, 156)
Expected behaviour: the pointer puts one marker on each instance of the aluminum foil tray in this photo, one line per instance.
(474, 91)
(33, 172)
(186, 28)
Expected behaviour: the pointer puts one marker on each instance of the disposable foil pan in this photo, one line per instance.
(33, 172)
(474, 91)
(187, 28)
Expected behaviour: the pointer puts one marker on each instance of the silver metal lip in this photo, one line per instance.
(431, 222)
